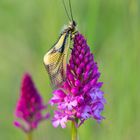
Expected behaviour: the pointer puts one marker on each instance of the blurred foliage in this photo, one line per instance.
(112, 28)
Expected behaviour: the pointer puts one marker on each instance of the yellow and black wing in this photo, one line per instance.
(55, 60)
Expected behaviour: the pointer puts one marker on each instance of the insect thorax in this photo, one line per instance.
(70, 29)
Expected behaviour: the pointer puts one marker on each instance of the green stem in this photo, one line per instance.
(30, 135)
(74, 131)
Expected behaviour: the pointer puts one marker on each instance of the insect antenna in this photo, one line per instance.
(66, 10)
(71, 10)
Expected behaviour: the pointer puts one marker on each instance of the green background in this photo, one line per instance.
(28, 28)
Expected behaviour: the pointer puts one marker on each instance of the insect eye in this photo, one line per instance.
(74, 23)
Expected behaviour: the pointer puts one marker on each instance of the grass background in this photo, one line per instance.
(112, 28)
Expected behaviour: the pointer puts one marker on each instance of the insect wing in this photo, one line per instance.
(55, 60)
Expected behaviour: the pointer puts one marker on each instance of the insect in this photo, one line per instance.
(55, 59)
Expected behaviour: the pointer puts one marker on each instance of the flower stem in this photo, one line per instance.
(74, 131)
(30, 135)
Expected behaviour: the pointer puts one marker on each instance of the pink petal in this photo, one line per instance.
(17, 124)
(55, 123)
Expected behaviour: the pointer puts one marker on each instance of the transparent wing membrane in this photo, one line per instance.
(55, 60)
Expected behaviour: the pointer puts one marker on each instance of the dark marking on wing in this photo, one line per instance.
(56, 69)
